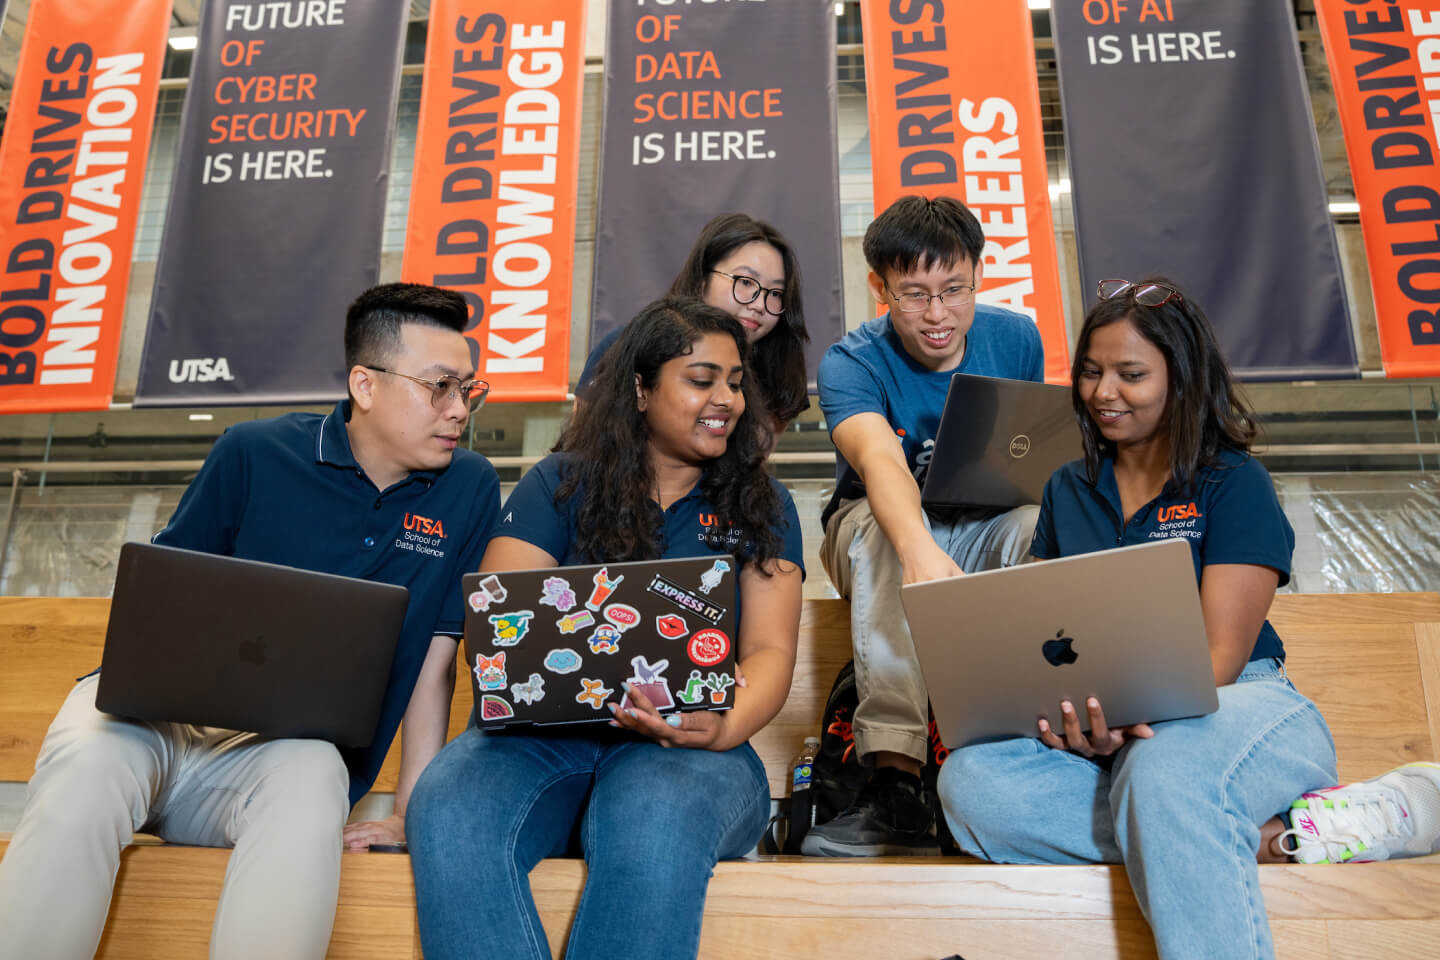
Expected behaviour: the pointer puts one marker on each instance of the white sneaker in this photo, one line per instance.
(1396, 814)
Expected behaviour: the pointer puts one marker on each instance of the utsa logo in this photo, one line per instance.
(1187, 511)
(200, 370)
(717, 533)
(431, 528)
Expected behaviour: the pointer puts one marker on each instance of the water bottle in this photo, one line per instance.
(802, 810)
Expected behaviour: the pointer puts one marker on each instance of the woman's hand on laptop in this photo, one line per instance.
(359, 836)
(1103, 739)
(697, 729)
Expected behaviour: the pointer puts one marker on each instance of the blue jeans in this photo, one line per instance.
(650, 822)
(1182, 810)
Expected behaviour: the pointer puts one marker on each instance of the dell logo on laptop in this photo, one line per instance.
(1019, 445)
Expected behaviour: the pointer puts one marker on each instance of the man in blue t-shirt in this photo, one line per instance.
(376, 489)
(882, 389)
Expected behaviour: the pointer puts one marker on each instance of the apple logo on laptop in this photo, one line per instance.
(1019, 445)
(252, 651)
(1060, 650)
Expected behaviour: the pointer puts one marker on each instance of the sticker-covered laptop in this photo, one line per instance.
(556, 645)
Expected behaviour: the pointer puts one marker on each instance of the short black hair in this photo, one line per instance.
(915, 230)
(373, 322)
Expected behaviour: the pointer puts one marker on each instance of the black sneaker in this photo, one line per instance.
(889, 818)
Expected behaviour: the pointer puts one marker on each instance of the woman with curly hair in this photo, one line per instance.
(745, 267)
(667, 462)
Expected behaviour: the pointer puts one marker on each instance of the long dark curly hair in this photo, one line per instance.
(1205, 412)
(607, 441)
(777, 360)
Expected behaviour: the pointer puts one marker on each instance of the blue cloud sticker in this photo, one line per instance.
(562, 660)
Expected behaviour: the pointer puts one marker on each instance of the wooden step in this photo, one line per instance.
(794, 907)
(1370, 661)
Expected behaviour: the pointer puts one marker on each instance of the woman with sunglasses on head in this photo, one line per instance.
(1190, 805)
(746, 268)
(666, 461)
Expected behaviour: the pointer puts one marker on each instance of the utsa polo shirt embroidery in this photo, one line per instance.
(1231, 516)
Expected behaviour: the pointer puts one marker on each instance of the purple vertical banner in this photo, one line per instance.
(276, 213)
(1193, 153)
(711, 109)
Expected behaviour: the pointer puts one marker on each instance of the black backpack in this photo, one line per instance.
(837, 775)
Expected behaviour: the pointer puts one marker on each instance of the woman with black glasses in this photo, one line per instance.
(1188, 806)
(746, 268)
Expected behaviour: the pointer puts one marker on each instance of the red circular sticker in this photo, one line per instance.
(708, 647)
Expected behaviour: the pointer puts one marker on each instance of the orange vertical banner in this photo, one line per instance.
(954, 108)
(492, 201)
(72, 166)
(1385, 67)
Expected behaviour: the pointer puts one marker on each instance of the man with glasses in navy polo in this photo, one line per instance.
(336, 493)
(882, 389)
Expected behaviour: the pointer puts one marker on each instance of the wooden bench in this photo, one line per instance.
(1372, 663)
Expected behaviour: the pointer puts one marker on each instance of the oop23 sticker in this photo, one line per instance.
(708, 647)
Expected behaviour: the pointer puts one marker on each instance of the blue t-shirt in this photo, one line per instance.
(689, 527)
(868, 371)
(1231, 516)
(288, 490)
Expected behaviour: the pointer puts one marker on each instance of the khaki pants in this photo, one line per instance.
(280, 803)
(892, 714)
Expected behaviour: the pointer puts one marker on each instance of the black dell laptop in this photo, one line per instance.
(242, 645)
(998, 442)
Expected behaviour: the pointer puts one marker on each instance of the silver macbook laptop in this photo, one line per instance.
(998, 442)
(242, 645)
(1001, 649)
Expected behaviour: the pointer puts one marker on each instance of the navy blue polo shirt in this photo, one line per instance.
(288, 490)
(869, 371)
(689, 527)
(1231, 516)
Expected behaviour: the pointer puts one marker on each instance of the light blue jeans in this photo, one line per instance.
(1182, 810)
(651, 823)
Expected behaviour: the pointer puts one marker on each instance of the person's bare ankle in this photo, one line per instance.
(887, 758)
(1271, 850)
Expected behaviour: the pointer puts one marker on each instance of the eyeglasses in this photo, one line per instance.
(442, 391)
(1145, 294)
(745, 290)
(917, 302)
